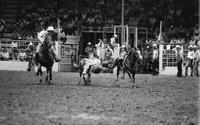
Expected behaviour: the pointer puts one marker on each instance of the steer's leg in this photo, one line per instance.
(89, 79)
(118, 70)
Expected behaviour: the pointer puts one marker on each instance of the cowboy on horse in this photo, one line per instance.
(41, 37)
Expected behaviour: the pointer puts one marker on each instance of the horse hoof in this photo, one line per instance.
(116, 85)
(136, 86)
(40, 80)
(49, 82)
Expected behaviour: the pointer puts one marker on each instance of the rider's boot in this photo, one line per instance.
(29, 68)
(57, 59)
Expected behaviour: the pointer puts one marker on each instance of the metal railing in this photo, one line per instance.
(168, 55)
(13, 53)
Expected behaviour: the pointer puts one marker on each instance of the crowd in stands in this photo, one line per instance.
(16, 51)
(72, 15)
(178, 16)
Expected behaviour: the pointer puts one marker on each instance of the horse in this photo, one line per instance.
(128, 64)
(45, 58)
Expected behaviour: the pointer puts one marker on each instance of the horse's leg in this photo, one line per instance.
(50, 73)
(123, 73)
(89, 79)
(38, 68)
(133, 76)
(118, 70)
(40, 73)
(80, 73)
(85, 81)
(29, 65)
(128, 72)
(47, 75)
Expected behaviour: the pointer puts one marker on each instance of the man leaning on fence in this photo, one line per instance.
(179, 58)
(196, 60)
(190, 58)
(155, 64)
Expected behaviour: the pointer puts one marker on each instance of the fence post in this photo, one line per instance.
(160, 58)
(57, 51)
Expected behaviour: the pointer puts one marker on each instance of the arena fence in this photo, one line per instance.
(167, 59)
(13, 62)
(69, 53)
(21, 45)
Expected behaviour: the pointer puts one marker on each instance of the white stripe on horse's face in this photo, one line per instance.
(140, 56)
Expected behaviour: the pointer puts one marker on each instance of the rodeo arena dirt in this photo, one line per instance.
(100, 62)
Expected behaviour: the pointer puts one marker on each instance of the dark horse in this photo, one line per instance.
(45, 58)
(128, 64)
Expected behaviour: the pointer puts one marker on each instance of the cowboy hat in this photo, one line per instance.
(115, 35)
(154, 45)
(50, 28)
(89, 43)
(123, 46)
(190, 46)
(195, 46)
(30, 44)
(178, 46)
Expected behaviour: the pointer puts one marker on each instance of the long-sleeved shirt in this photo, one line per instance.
(155, 54)
(197, 55)
(41, 35)
(190, 55)
(179, 53)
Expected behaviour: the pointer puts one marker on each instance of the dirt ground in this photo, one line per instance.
(158, 100)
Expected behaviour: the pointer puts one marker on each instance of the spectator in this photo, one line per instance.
(179, 58)
(108, 58)
(22, 56)
(146, 60)
(108, 53)
(122, 52)
(155, 64)
(5, 55)
(30, 54)
(196, 33)
(196, 61)
(189, 63)
(14, 47)
(192, 41)
(113, 40)
(89, 50)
